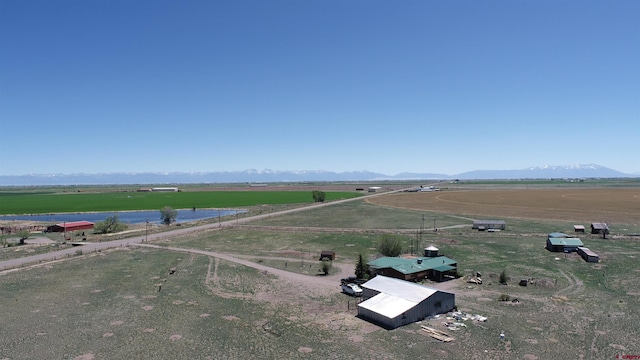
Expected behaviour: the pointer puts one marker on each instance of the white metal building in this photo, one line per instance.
(392, 303)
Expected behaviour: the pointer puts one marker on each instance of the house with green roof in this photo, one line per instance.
(559, 242)
(415, 268)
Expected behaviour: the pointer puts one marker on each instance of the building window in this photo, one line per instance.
(438, 304)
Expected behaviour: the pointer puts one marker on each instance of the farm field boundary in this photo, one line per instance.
(619, 205)
(50, 202)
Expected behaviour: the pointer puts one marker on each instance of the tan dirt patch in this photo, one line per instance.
(619, 205)
(305, 350)
(87, 356)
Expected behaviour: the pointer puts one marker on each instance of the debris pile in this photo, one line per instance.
(437, 334)
(474, 280)
(454, 325)
(463, 316)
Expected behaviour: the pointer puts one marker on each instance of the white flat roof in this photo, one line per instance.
(399, 288)
(387, 305)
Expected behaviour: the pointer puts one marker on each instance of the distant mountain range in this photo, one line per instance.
(267, 176)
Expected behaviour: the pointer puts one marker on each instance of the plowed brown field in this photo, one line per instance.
(587, 205)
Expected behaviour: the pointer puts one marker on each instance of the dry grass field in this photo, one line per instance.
(608, 205)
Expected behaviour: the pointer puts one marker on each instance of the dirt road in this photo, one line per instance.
(319, 284)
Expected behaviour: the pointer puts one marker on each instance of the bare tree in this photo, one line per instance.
(168, 215)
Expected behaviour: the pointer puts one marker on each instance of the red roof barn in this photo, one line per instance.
(70, 226)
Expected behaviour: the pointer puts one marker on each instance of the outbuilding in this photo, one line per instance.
(588, 255)
(328, 255)
(482, 225)
(558, 243)
(70, 226)
(599, 228)
(392, 303)
(578, 228)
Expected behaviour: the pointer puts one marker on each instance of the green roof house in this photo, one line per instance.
(563, 243)
(414, 269)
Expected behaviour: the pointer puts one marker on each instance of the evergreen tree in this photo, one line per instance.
(362, 268)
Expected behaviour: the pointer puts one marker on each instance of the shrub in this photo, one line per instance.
(503, 278)
(390, 245)
(23, 235)
(110, 225)
(318, 196)
(326, 266)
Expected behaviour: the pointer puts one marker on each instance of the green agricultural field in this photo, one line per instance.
(65, 202)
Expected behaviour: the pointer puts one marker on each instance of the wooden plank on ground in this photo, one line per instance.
(437, 334)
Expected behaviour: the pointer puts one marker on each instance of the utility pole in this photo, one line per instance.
(421, 229)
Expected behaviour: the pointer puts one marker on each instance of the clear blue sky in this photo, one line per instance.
(385, 86)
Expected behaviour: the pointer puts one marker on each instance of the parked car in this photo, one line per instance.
(352, 289)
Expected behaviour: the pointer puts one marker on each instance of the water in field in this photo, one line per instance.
(128, 217)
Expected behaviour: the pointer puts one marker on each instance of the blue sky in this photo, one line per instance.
(385, 86)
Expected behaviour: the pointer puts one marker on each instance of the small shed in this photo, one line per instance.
(489, 224)
(327, 255)
(70, 226)
(598, 228)
(392, 303)
(588, 255)
(578, 228)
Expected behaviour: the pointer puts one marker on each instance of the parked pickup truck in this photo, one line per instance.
(352, 289)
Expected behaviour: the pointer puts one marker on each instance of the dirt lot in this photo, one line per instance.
(586, 205)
